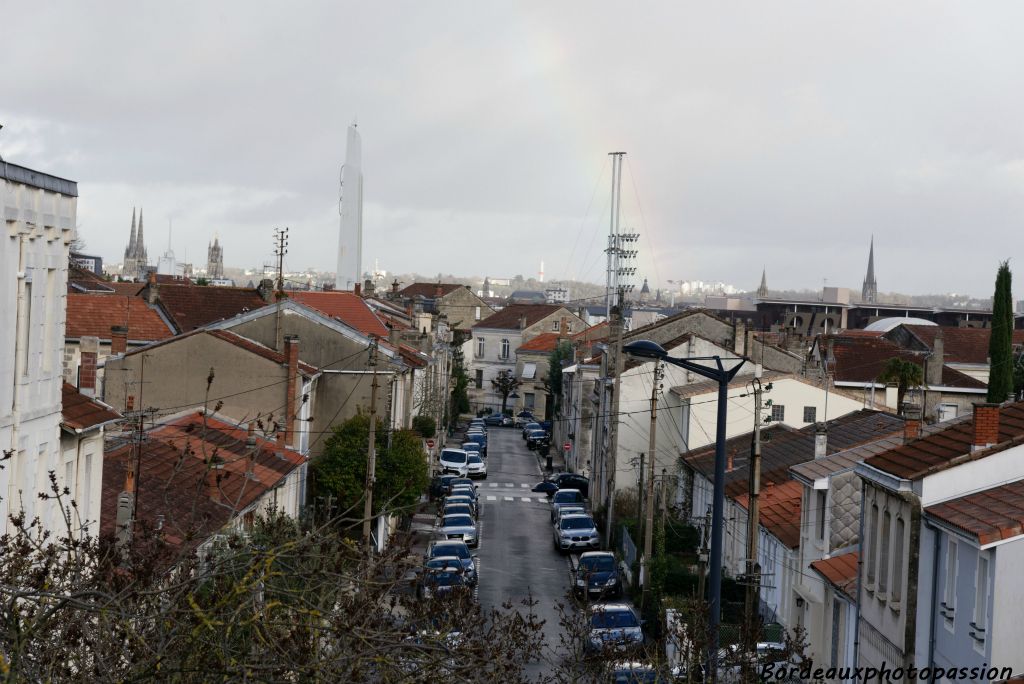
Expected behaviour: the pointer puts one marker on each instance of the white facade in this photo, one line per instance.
(39, 218)
(81, 471)
(350, 236)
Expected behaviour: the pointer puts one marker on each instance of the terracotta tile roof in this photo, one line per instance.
(192, 306)
(841, 571)
(861, 359)
(779, 507)
(174, 476)
(95, 314)
(960, 345)
(412, 356)
(347, 307)
(128, 289)
(545, 342)
(80, 413)
(594, 333)
(783, 447)
(428, 290)
(947, 447)
(508, 318)
(237, 340)
(989, 516)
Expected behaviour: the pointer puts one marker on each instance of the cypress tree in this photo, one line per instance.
(1000, 344)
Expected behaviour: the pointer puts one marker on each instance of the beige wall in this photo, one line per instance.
(463, 308)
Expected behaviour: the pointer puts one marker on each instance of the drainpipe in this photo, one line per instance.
(914, 546)
(860, 573)
(935, 598)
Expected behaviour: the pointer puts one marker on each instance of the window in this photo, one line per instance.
(980, 599)
(822, 502)
(504, 348)
(556, 326)
(477, 314)
(778, 412)
(684, 424)
(949, 595)
(883, 553)
(810, 414)
(479, 347)
(872, 553)
(23, 331)
(529, 371)
(479, 379)
(897, 565)
(529, 400)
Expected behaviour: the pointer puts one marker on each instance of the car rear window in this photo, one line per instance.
(473, 458)
(459, 550)
(565, 496)
(597, 564)
(605, 619)
(576, 523)
(458, 509)
(457, 521)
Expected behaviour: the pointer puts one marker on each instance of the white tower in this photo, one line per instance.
(350, 236)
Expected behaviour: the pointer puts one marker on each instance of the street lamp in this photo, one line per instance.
(646, 349)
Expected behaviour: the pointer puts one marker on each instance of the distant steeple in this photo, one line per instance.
(762, 292)
(869, 293)
(140, 246)
(129, 251)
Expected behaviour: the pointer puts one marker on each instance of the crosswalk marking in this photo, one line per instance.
(524, 485)
(526, 499)
(492, 498)
(509, 498)
(493, 484)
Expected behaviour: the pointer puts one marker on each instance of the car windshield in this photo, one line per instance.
(464, 491)
(574, 523)
(462, 481)
(458, 509)
(538, 433)
(474, 459)
(471, 446)
(460, 500)
(597, 564)
(532, 426)
(567, 496)
(457, 521)
(459, 550)
(607, 619)
(453, 456)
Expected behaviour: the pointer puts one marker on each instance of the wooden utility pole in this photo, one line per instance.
(371, 466)
(753, 582)
(640, 493)
(611, 454)
(649, 523)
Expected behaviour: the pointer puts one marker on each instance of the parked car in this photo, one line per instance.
(597, 574)
(614, 626)
(462, 481)
(457, 509)
(454, 461)
(460, 526)
(464, 489)
(563, 497)
(498, 419)
(443, 547)
(440, 484)
(523, 417)
(478, 423)
(637, 673)
(536, 439)
(546, 487)
(572, 532)
(477, 466)
(528, 427)
(545, 425)
(463, 499)
(480, 439)
(572, 481)
(441, 576)
(471, 447)
(570, 509)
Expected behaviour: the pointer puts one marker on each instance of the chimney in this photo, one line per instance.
(152, 289)
(563, 328)
(394, 286)
(820, 440)
(291, 352)
(89, 348)
(522, 322)
(986, 425)
(368, 288)
(266, 290)
(357, 290)
(250, 438)
(118, 340)
(739, 342)
(729, 463)
(426, 344)
(129, 480)
(394, 336)
(936, 361)
(911, 422)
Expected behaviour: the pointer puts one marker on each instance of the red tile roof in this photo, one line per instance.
(347, 307)
(779, 507)
(948, 447)
(80, 413)
(509, 317)
(177, 462)
(960, 345)
(545, 342)
(128, 289)
(841, 571)
(989, 516)
(428, 290)
(95, 314)
(193, 306)
(861, 359)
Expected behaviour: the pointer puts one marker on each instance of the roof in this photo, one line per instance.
(38, 179)
(632, 362)
(989, 516)
(428, 290)
(861, 359)
(841, 571)
(80, 413)
(95, 314)
(883, 325)
(960, 345)
(545, 342)
(178, 459)
(779, 510)
(127, 288)
(237, 340)
(193, 306)
(783, 447)
(509, 317)
(347, 307)
(947, 447)
(709, 386)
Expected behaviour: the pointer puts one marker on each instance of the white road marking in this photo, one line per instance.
(509, 498)
(526, 499)
(492, 498)
(493, 484)
(524, 486)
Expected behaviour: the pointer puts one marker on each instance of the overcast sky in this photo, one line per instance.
(775, 134)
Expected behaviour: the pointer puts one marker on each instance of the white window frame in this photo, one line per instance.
(896, 587)
(506, 347)
(481, 347)
(982, 586)
(884, 554)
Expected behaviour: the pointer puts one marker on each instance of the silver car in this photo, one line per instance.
(477, 466)
(460, 527)
(573, 532)
(563, 497)
(614, 626)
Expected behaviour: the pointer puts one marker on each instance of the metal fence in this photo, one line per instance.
(628, 548)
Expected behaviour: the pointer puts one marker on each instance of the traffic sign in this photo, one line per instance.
(430, 444)
(567, 446)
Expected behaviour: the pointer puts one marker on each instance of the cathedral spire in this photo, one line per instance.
(869, 293)
(140, 245)
(762, 291)
(129, 252)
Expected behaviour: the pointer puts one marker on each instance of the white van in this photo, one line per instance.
(455, 461)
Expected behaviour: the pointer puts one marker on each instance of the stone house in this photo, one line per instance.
(458, 303)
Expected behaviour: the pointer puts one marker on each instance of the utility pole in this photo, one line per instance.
(649, 524)
(611, 454)
(753, 582)
(664, 501)
(702, 556)
(640, 493)
(371, 466)
(280, 249)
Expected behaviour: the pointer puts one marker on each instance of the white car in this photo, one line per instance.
(454, 461)
(477, 466)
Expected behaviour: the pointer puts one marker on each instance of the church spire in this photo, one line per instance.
(762, 291)
(140, 245)
(869, 293)
(129, 252)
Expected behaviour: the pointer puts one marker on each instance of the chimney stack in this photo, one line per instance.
(129, 480)
(911, 422)
(266, 290)
(291, 352)
(563, 328)
(820, 440)
(250, 438)
(394, 286)
(118, 340)
(368, 287)
(986, 425)
(357, 290)
(152, 288)
(729, 463)
(936, 361)
(89, 348)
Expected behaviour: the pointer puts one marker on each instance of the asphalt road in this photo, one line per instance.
(517, 558)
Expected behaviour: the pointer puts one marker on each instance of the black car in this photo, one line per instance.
(597, 575)
(537, 438)
(440, 485)
(572, 481)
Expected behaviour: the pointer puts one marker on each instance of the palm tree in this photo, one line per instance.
(905, 374)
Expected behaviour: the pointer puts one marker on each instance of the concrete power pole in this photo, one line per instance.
(753, 598)
(280, 249)
(649, 523)
(611, 455)
(371, 466)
